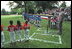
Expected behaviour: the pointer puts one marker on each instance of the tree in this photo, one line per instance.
(31, 6)
(63, 4)
(13, 11)
(3, 12)
(31, 11)
(35, 5)
(46, 4)
(10, 4)
(17, 7)
(22, 4)
(39, 11)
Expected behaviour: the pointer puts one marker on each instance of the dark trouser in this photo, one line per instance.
(28, 19)
(60, 28)
(24, 18)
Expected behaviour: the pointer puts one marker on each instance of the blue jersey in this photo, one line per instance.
(25, 15)
(36, 17)
(31, 16)
(39, 18)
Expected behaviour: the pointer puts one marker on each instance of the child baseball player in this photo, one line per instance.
(18, 29)
(26, 29)
(53, 22)
(38, 20)
(2, 37)
(11, 29)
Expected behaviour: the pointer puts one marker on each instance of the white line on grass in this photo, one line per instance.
(19, 39)
(46, 34)
(46, 40)
(60, 41)
(32, 35)
(14, 41)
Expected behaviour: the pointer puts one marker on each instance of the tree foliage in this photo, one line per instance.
(29, 6)
(3, 12)
(63, 4)
(46, 4)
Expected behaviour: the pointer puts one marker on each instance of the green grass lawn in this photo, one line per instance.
(66, 35)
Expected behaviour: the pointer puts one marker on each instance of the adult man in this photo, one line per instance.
(60, 19)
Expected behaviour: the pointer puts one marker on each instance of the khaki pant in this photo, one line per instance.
(19, 34)
(2, 39)
(26, 34)
(12, 36)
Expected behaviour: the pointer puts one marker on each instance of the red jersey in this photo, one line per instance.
(18, 27)
(11, 28)
(1, 27)
(26, 26)
(53, 20)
